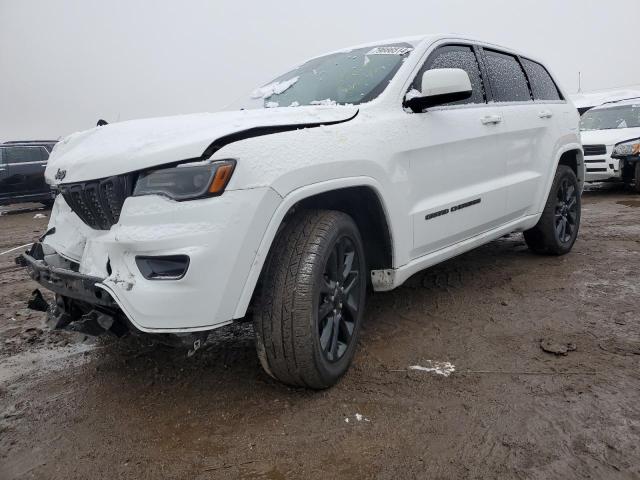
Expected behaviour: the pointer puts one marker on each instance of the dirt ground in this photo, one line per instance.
(72, 407)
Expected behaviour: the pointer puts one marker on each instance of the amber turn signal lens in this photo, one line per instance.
(222, 176)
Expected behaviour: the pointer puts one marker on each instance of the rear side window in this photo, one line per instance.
(508, 82)
(24, 154)
(542, 84)
(456, 56)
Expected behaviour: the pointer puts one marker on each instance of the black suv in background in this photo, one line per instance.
(22, 167)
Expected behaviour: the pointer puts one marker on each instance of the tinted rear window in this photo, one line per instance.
(23, 154)
(542, 84)
(508, 82)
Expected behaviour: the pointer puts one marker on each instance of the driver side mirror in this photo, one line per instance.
(439, 86)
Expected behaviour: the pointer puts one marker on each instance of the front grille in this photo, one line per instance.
(591, 150)
(98, 203)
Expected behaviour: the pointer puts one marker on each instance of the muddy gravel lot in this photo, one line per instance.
(74, 407)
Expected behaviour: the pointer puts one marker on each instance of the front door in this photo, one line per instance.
(457, 168)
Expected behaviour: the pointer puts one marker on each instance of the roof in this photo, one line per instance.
(599, 97)
(619, 103)
(30, 142)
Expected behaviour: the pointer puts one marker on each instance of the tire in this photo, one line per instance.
(637, 177)
(301, 301)
(557, 230)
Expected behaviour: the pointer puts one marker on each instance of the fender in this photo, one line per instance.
(276, 220)
(581, 170)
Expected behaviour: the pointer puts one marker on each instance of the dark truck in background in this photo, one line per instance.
(22, 165)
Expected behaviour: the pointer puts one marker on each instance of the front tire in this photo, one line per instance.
(557, 230)
(637, 177)
(311, 301)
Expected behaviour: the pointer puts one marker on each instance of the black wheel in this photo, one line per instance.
(310, 305)
(637, 177)
(557, 230)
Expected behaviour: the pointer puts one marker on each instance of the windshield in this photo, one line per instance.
(344, 78)
(623, 116)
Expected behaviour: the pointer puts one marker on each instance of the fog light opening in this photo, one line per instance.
(169, 267)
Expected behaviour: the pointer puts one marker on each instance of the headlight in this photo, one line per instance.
(628, 148)
(186, 181)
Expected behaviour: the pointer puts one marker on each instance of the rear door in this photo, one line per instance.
(25, 165)
(457, 173)
(530, 126)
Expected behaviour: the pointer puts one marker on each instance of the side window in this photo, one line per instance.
(23, 154)
(542, 84)
(508, 83)
(456, 56)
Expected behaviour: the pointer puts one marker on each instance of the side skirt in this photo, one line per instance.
(384, 280)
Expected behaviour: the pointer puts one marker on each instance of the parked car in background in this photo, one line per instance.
(628, 153)
(602, 128)
(351, 172)
(22, 166)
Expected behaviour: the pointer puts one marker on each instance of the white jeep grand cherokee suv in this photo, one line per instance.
(351, 172)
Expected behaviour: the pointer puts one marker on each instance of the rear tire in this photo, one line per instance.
(557, 230)
(310, 304)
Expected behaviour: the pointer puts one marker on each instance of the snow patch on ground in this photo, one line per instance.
(440, 368)
(357, 417)
(39, 215)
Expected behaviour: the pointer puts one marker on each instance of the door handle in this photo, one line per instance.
(491, 119)
(545, 114)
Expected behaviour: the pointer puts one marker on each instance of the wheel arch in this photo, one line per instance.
(360, 197)
(573, 157)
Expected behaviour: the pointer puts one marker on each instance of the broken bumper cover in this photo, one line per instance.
(67, 282)
(219, 235)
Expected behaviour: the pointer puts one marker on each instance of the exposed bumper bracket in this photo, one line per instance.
(66, 282)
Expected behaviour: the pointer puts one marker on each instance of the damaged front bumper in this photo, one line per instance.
(65, 282)
(101, 270)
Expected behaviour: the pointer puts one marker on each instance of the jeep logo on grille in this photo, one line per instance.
(60, 174)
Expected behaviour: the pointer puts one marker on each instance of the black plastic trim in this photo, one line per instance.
(262, 131)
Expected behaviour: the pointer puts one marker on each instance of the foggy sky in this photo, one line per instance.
(64, 64)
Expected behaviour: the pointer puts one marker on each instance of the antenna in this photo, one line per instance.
(579, 82)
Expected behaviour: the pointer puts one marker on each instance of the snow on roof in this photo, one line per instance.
(618, 103)
(592, 99)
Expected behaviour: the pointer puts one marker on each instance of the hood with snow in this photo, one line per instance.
(609, 137)
(136, 145)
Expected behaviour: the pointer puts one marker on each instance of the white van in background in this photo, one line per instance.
(602, 128)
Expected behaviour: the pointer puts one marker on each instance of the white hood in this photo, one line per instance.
(139, 144)
(608, 137)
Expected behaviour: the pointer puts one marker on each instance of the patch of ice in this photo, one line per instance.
(440, 368)
(413, 93)
(326, 101)
(275, 88)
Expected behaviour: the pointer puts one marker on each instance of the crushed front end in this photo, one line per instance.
(148, 263)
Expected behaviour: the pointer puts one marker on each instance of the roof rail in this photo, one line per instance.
(620, 100)
(29, 142)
